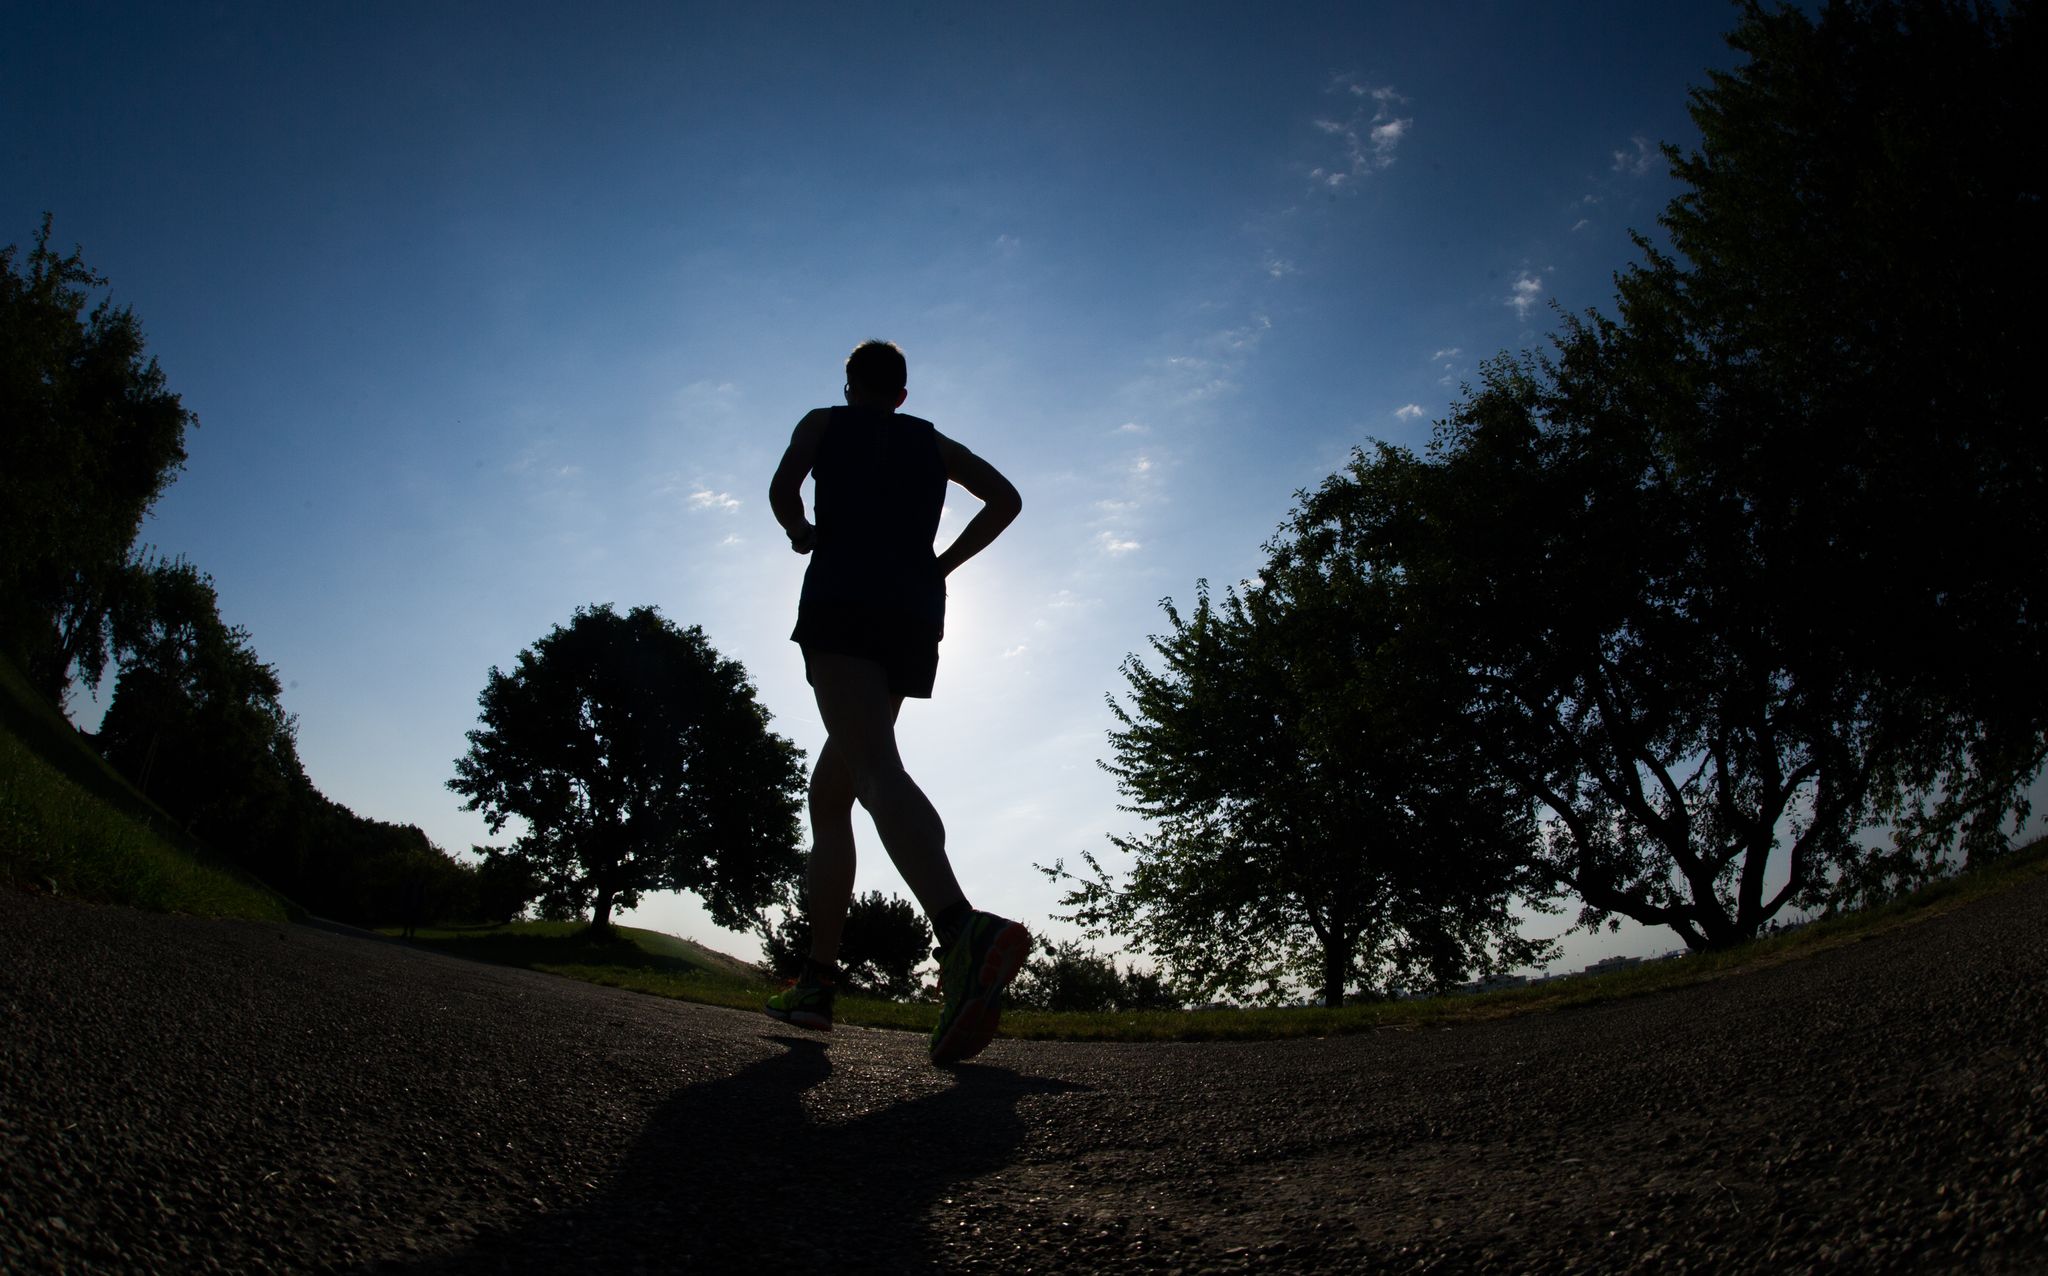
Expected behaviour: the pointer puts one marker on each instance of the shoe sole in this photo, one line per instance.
(975, 1026)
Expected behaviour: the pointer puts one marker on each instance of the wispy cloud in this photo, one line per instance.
(1525, 294)
(1408, 411)
(699, 399)
(1132, 427)
(706, 499)
(1446, 360)
(1121, 511)
(1367, 135)
(1244, 337)
(1636, 158)
(536, 465)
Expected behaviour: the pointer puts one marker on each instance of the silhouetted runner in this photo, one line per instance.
(870, 619)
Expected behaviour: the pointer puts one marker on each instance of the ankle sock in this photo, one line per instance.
(948, 922)
(820, 973)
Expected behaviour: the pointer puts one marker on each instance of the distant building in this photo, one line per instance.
(1611, 964)
(1493, 983)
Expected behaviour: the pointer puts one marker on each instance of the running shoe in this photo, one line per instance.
(805, 1005)
(972, 974)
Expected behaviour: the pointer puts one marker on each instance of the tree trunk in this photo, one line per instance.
(601, 911)
(1336, 970)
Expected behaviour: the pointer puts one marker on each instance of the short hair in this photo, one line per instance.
(877, 367)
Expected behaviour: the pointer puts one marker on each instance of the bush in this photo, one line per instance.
(1068, 977)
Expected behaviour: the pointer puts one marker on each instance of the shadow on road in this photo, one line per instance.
(737, 1173)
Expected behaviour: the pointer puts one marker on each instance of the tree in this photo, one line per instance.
(505, 885)
(89, 438)
(886, 939)
(639, 760)
(1068, 977)
(1311, 827)
(197, 723)
(1570, 610)
(1852, 306)
(1730, 576)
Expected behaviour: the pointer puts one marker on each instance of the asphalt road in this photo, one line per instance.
(182, 1095)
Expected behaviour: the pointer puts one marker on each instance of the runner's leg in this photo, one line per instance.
(860, 720)
(828, 885)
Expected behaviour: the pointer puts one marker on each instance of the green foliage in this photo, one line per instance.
(886, 939)
(1067, 977)
(639, 760)
(1721, 583)
(505, 885)
(1854, 309)
(786, 944)
(197, 723)
(1313, 827)
(1730, 577)
(89, 438)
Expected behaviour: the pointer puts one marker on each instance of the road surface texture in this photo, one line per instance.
(183, 1095)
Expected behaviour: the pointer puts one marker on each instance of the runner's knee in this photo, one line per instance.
(877, 784)
(831, 789)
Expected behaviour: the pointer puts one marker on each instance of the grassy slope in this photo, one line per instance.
(70, 824)
(646, 961)
(650, 962)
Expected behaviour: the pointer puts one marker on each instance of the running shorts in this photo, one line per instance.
(905, 647)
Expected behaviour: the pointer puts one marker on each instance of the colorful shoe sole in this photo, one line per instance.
(976, 1024)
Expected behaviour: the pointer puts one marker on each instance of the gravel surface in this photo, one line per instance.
(183, 1095)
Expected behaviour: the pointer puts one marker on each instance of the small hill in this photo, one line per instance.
(71, 825)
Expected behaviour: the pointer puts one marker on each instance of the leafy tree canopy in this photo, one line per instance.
(197, 721)
(89, 438)
(1849, 325)
(639, 760)
(1756, 563)
(1310, 828)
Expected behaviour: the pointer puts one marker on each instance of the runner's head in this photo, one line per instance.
(876, 374)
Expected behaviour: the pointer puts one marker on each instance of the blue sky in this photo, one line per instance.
(490, 312)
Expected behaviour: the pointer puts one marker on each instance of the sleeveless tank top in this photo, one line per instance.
(880, 486)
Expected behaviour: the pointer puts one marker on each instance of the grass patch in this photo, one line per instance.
(646, 961)
(72, 825)
(663, 965)
(57, 836)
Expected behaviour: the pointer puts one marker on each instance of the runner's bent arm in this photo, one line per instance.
(1000, 503)
(786, 489)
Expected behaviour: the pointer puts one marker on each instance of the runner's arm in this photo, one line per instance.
(1000, 503)
(786, 489)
